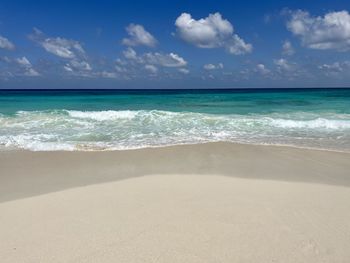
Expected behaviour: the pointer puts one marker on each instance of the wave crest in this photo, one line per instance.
(103, 130)
(312, 124)
(103, 115)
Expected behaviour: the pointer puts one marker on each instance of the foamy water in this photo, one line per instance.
(116, 120)
(127, 129)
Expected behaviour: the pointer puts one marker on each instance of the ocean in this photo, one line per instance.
(50, 120)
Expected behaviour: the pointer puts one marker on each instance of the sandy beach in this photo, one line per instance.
(215, 202)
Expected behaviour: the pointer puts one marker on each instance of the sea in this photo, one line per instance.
(93, 120)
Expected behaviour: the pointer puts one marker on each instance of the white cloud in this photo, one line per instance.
(209, 66)
(332, 31)
(23, 61)
(69, 50)
(155, 58)
(61, 47)
(120, 69)
(212, 66)
(261, 69)
(290, 70)
(6, 44)
(5, 59)
(184, 71)
(283, 64)
(151, 69)
(211, 32)
(130, 53)
(30, 72)
(133, 65)
(26, 67)
(166, 60)
(121, 62)
(237, 46)
(108, 75)
(138, 36)
(68, 68)
(336, 68)
(78, 67)
(287, 48)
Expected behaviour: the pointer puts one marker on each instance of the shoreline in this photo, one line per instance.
(65, 168)
(6, 149)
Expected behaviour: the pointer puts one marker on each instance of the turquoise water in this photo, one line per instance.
(109, 120)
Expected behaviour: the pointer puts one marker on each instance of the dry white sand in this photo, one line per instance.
(253, 211)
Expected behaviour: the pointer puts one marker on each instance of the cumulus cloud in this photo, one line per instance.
(155, 58)
(261, 69)
(138, 36)
(331, 31)
(170, 60)
(287, 48)
(133, 65)
(237, 46)
(184, 71)
(23, 62)
(211, 32)
(30, 72)
(151, 69)
(78, 67)
(71, 51)
(288, 70)
(130, 53)
(26, 68)
(336, 66)
(283, 64)
(209, 66)
(212, 66)
(335, 69)
(6, 44)
(108, 75)
(119, 68)
(61, 47)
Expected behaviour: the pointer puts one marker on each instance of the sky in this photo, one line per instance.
(174, 44)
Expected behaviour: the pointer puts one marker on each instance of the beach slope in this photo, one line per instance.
(217, 202)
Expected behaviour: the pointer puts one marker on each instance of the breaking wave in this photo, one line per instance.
(117, 130)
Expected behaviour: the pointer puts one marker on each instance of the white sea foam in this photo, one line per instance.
(103, 115)
(111, 130)
(311, 124)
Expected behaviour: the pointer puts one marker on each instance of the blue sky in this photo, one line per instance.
(174, 44)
